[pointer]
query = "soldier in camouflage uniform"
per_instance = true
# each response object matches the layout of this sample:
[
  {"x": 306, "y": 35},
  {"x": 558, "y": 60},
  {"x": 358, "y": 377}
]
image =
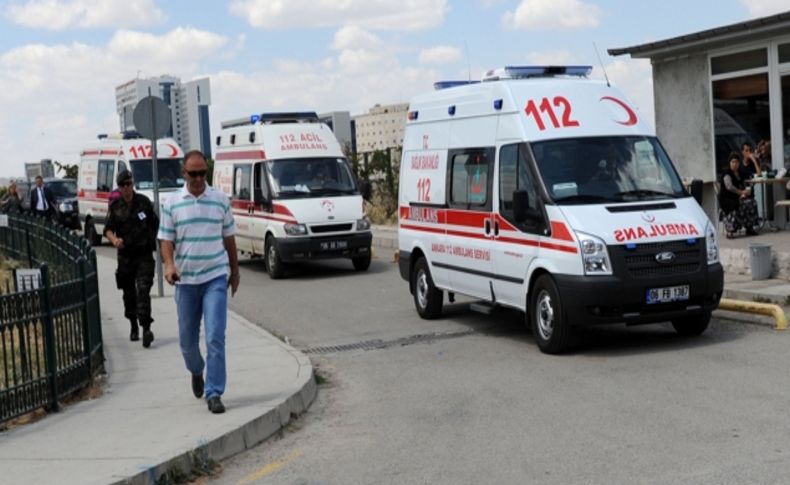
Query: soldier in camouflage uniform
[{"x": 131, "y": 227}]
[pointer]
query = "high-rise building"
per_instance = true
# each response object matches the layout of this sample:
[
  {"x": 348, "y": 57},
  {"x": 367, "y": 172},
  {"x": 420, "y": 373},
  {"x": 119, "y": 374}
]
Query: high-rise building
[
  {"x": 381, "y": 127},
  {"x": 188, "y": 104}
]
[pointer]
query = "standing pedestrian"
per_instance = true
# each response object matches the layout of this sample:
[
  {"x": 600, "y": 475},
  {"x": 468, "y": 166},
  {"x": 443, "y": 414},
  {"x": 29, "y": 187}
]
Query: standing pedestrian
[
  {"x": 199, "y": 254},
  {"x": 42, "y": 202},
  {"x": 131, "y": 227},
  {"x": 12, "y": 203}
]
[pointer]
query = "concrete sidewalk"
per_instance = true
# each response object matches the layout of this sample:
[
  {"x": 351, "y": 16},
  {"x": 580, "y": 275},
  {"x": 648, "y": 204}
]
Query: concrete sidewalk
[{"x": 148, "y": 421}]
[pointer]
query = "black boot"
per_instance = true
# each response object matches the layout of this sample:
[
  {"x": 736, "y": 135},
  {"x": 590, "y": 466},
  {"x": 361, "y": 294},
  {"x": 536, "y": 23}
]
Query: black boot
[
  {"x": 148, "y": 336},
  {"x": 134, "y": 334}
]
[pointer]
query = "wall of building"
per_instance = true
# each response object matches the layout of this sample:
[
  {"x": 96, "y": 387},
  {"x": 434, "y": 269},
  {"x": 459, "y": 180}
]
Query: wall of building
[
  {"x": 681, "y": 90},
  {"x": 381, "y": 128}
]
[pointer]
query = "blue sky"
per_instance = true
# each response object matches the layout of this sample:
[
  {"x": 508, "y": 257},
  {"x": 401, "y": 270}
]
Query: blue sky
[{"x": 60, "y": 60}]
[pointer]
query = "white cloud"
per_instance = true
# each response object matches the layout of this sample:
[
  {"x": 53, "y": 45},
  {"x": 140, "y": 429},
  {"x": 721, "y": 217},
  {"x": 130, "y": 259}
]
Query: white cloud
[
  {"x": 57, "y": 98},
  {"x": 441, "y": 54},
  {"x": 551, "y": 58},
  {"x": 81, "y": 14},
  {"x": 764, "y": 8},
  {"x": 400, "y": 15},
  {"x": 353, "y": 36},
  {"x": 553, "y": 14}
]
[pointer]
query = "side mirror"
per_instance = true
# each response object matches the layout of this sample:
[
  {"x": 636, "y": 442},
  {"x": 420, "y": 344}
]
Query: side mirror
[
  {"x": 696, "y": 190},
  {"x": 258, "y": 197},
  {"x": 520, "y": 205},
  {"x": 365, "y": 189}
]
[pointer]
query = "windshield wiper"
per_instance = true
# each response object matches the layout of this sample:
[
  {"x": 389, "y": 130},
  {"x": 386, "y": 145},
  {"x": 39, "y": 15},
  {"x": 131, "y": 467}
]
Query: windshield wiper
[
  {"x": 582, "y": 198},
  {"x": 328, "y": 191},
  {"x": 644, "y": 193},
  {"x": 288, "y": 193}
]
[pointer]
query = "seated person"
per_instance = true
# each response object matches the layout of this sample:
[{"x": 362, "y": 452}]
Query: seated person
[{"x": 739, "y": 208}]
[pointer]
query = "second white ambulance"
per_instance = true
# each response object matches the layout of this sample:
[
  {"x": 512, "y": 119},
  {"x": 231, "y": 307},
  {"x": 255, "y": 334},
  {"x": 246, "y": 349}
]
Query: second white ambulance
[
  {"x": 103, "y": 160},
  {"x": 542, "y": 190},
  {"x": 293, "y": 193}
]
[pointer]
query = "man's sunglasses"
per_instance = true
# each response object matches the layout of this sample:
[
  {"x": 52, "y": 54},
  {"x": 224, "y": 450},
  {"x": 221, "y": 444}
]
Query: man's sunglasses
[
  {"x": 126, "y": 184},
  {"x": 197, "y": 173}
]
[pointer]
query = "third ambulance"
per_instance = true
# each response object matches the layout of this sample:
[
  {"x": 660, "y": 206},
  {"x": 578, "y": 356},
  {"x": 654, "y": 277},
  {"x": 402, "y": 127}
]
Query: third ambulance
[
  {"x": 103, "y": 160},
  {"x": 293, "y": 193},
  {"x": 539, "y": 189}
]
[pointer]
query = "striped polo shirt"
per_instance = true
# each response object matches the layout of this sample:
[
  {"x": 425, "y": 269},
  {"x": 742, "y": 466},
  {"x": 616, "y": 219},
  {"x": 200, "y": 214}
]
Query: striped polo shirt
[{"x": 197, "y": 225}]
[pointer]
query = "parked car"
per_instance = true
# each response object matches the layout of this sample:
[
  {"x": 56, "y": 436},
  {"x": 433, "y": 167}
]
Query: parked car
[{"x": 65, "y": 193}]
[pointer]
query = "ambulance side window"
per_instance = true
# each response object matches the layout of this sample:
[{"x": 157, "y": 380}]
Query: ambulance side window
[
  {"x": 242, "y": 177},
  {"x": 106, "y": 176},
  {"x": 470, "y": 171},
  {"x": 514, "y": 174}
]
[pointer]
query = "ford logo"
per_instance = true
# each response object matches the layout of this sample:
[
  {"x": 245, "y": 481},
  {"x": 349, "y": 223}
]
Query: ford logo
[{"x": 665, "y": 257}]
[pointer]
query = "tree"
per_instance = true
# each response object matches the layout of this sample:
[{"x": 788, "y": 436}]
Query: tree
[
  {"x": 210, "y": 173},
  {"x": 70, "y": 171}
]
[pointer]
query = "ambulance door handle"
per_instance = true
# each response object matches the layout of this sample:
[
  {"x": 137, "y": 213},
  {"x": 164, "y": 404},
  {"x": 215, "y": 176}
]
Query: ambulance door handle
[
  {"x": 496, "y": 228},
  {"x": 488, "y": 226}
]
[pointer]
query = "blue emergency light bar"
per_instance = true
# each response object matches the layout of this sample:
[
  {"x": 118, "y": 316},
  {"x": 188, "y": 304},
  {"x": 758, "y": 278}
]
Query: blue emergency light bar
[
  {"x": 272, "y": 118},
  {"x": 525, "y": 72},
  {"x": 438, "y": 85}
]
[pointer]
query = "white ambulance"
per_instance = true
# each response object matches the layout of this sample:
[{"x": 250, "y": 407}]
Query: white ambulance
[
  {"x": 293, "y": 192},
  {"x": 539, "y": 189},
  {"x": 102, "y": 161}
]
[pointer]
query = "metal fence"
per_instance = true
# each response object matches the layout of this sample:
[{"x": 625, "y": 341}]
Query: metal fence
[{"x": 50, "y": 329}]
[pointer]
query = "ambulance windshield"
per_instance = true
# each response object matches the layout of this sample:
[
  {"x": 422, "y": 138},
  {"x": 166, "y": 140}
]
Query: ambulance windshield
[
  {"x": 311, "y": 177},
  {"x": 606, "y": 169},
  {"x": 170, "y": 175}
]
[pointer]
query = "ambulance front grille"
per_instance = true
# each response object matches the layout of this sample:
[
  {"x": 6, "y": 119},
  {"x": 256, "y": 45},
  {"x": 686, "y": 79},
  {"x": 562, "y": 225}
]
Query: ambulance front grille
[
  {"x": 330, "y": 228},
  {"x": 640, "y": 260}
]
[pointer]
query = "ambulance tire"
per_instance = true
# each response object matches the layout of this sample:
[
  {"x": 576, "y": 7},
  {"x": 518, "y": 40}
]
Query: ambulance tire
[
  {"x": 361, "y": 263},
  {"x": 691, "y": 326},
  {"x": 274, "y": 264},
  {"x": 91, "y": 235},
  {"x": 550, "y": 326},
  {"x": 427, "y": 298}
]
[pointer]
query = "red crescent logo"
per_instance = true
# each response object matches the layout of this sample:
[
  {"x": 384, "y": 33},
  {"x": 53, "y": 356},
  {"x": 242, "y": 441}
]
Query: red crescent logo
[
  {"x": 631, "y": 121},
  {"x": 175, "y": 150}
]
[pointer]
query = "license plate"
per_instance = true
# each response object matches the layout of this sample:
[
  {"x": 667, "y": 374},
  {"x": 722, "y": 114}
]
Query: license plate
[
  {"x": 668, "y": 294},
  {"x": 329, "y": 245}
]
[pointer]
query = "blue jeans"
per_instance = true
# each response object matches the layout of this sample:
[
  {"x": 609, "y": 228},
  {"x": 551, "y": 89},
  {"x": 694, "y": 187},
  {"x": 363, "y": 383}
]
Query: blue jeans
[{"x": 209, "y": 300}]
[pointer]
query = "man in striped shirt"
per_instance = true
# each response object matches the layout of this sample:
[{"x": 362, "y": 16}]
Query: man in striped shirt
[{"x": 196, "y": 234}]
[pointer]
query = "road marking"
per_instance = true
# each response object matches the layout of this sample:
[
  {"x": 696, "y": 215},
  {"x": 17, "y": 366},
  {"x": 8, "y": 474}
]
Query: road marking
[{"x": 271, "y": 467}]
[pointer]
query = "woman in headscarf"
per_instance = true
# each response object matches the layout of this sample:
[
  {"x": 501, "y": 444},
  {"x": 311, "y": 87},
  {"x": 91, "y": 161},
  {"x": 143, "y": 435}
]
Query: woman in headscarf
[{"x": 740, "y": 209}]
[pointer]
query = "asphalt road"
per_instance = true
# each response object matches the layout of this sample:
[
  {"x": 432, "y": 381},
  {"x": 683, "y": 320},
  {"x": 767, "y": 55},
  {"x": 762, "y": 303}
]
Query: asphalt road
[
  {"x": 469, "y": 398},
  {"x": 478, "y": 403}
]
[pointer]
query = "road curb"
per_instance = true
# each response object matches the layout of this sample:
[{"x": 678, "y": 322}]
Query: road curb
[{"x": 246, "y": 436}]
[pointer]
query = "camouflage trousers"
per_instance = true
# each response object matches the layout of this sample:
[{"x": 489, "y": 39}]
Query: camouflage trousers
[{"x": 135, "y": 276}]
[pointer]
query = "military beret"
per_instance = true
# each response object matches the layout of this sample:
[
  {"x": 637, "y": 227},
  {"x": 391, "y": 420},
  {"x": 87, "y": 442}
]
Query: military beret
[{"x": 123, "y": 177}]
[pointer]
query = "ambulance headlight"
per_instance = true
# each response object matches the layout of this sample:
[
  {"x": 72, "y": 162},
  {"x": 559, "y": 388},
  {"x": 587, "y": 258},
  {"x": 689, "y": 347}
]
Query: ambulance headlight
[
  {"x": 594, "y": 255},
  {"x": 363, "y": 224},
  {"x": 65, "y": 207},
  {"x": 295, "y": 229},
  {"x": 711, "y": 244}
]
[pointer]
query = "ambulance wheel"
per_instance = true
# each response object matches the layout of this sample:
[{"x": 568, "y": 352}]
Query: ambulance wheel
[
  {"x": 550, "y": 326},
  {"x": 361, "y": 263},
  {"x": 691, "y": 326},
  {"x": 91, "y": 235},
  {"x": 274, "y": 264},
  {"x": 427, "y": 298}
]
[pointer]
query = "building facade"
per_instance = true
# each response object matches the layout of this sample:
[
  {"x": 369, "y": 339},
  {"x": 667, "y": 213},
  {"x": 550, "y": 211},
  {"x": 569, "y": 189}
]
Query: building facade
[
  {"x": 717, "y": 89},
  {"x": 188, "y": 104},
  {"x": 340, "y": 124},
  {"x": 380, "y": 128}
]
